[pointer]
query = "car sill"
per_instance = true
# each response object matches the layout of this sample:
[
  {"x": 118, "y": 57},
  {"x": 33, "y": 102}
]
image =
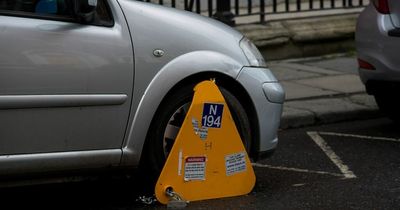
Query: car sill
[{"x": 58, "y": 161}]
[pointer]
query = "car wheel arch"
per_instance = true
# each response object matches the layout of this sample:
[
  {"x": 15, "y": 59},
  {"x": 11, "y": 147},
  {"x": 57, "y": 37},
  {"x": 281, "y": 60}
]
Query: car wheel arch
[{"x": 175, "y": 73}]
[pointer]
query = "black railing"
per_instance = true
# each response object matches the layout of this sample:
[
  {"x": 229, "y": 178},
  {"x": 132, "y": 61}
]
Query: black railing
[{"x": 227, "y": 10}]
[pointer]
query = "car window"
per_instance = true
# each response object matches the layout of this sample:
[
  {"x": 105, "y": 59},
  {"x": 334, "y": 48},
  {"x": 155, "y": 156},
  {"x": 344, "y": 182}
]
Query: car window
[
  {"x": 53, "y": 9},
  {"x": 39, "y": 7}
]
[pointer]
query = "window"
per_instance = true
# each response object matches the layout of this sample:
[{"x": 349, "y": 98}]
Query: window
[
  {"x": 38, "y": 7},
  {"x": 54, "y": 9}
]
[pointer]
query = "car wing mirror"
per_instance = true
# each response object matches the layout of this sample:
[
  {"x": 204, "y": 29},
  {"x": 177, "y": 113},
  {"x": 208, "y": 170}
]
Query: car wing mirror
[{"x": 85, "y": 10}]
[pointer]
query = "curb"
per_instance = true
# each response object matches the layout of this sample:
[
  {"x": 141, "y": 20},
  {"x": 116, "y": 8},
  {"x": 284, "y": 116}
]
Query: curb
[
  {"x": 310, "y": 112},
  {"x": 303, "y": 37}
]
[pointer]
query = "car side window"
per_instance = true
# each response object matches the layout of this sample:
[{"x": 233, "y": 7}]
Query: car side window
[
  {"x": 56, "y": 8},
  {"x": 53, "y": 9}
]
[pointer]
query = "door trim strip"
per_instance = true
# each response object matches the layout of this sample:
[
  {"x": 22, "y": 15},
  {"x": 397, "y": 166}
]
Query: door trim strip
[{"x": 50, "y": 101}]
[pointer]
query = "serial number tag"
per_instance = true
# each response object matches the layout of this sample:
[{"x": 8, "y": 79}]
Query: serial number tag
[{"x": 212, "y": 115}]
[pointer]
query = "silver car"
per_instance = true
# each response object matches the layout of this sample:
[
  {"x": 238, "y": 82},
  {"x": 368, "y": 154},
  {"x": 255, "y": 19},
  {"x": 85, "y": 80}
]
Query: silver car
[
  {"x": 106, "y": 84},
  {"x": 378, "y": 42}
]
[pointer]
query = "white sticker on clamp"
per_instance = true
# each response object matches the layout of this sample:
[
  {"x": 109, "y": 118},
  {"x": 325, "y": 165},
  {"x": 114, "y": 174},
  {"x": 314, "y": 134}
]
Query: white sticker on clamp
[{"x": 235, "y": 163}]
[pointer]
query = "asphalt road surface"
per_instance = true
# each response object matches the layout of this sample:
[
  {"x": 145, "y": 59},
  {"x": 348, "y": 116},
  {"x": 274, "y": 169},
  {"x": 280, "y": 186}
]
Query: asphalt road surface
[{"x": 350, "y": 165}]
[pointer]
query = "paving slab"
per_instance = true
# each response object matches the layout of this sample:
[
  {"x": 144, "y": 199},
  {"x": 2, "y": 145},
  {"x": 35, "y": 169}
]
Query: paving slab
[
  {"x": 300, "y": 91},
  {"x": 347, "y": 83},
  {"x": 320, "y": 91},
  {"x": 346, "y": 64},
  {"x": 309, "y": 68},
  {"x": 364, "y": 99},
  {"x": 329, "y": 110},
  {"x": 292, "y": 118},
  {"x": 283, "y": 73}
]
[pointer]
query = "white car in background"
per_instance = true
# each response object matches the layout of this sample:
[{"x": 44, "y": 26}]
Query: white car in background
[{"x": 378, "y": 50}]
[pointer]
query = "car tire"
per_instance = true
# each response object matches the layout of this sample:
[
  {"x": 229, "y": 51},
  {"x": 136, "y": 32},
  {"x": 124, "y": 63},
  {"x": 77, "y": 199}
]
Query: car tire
[
  {"x": 172, "y": 113},
  {"x": 388, "y": 106}
]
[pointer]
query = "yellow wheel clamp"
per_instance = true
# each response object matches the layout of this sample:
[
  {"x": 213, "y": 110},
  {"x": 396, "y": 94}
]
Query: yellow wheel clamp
[{"x": 208, "y": 159}]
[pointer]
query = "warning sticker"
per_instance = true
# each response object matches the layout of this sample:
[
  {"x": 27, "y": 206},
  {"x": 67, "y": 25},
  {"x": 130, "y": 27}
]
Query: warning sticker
[
  {"x": 195, "y": 168},
  {"x": 235, "y": 163}
]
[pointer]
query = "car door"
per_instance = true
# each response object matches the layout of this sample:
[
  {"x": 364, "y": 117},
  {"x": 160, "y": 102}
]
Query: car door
[{"x": 64, "y": 86}]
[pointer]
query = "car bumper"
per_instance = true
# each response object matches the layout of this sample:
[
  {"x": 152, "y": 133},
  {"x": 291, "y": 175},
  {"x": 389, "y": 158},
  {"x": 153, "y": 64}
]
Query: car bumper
[{"x": 267, "y": 96}]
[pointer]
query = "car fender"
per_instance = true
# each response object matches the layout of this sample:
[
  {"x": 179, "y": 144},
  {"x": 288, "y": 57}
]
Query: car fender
[{"x": 171, "y": 74}]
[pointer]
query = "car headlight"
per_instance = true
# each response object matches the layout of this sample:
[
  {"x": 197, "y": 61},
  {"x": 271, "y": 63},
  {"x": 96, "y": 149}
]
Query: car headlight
[{"x": 252, "y": 53}]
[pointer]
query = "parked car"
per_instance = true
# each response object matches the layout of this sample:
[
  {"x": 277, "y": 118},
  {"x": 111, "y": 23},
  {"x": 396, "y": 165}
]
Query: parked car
[
  {"x": 106, "y": 84},
  {"x": 378, "y": 42}
]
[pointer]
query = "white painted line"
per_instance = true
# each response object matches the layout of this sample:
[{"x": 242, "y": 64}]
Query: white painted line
[
  {"x": 332, "y": 155},
  {"x": 360, "y": 136},
  {"x": 295, "y": 169}
]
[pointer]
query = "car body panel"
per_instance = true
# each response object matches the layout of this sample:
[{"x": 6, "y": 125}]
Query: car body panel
[
  {"x": 394, "y": 7},
  {"x": 375, "y": 46},
  {"x": 63, "y": 86},
  {"x": 28, "y": 164},
  {"x": 268, "y": 113}
]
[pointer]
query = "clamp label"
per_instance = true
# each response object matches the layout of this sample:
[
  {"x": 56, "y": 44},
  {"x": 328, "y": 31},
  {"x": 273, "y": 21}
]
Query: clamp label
[{"x": 212, "y": 115}]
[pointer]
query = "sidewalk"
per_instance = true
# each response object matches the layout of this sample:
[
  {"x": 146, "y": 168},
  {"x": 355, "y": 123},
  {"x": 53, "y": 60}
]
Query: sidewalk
[{"x": 322, "y": 90}]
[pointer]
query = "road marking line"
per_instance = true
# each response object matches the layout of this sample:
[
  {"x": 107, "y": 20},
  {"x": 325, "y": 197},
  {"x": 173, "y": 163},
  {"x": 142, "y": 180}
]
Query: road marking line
[
  {"x": 332, "y": 155},
  {"x": 360, "y": 136},
  {"x": 295, "y": 169}
]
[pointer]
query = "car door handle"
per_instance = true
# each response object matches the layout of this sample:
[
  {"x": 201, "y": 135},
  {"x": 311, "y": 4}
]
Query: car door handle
[{"x": 394, "y": 32}]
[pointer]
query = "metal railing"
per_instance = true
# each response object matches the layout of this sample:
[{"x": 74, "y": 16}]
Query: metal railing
[{"x": 227, "y": 10}]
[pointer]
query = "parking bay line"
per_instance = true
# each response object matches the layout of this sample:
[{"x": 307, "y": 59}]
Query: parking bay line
[
  {"x": 295, "y": 169},
  {"x": 359, "y": 136},
  {"x": 332, "y": 155}
]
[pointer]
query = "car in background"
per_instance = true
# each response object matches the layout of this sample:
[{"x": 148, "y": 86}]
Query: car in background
[
  {"x": 87, "y": 85},
  {"x": 378, "y": 48}
]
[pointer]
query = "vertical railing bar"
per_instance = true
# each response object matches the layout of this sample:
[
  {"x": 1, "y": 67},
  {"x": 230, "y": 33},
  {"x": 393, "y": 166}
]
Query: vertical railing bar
[
  {"x": 298, "y": 5},
  {"x": 173, "y": 3},
  {"x": 236, "y": 7},
  {"x": 333, "y": 4},
  {"x": 185, "y": 4},
  {"x": 198, "y": 9},
  {"x": 249, "y": 6},
  {"x": 321, "y": 4},
  {"x": 311, "y": 4},
  {"x": 262, "y": 11},
  {"x": 210, "y": 8},
  {"x": 274, "y": 5},
  {"x": 287, "y": 5},
  {"x": 191, "y": 4}
]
